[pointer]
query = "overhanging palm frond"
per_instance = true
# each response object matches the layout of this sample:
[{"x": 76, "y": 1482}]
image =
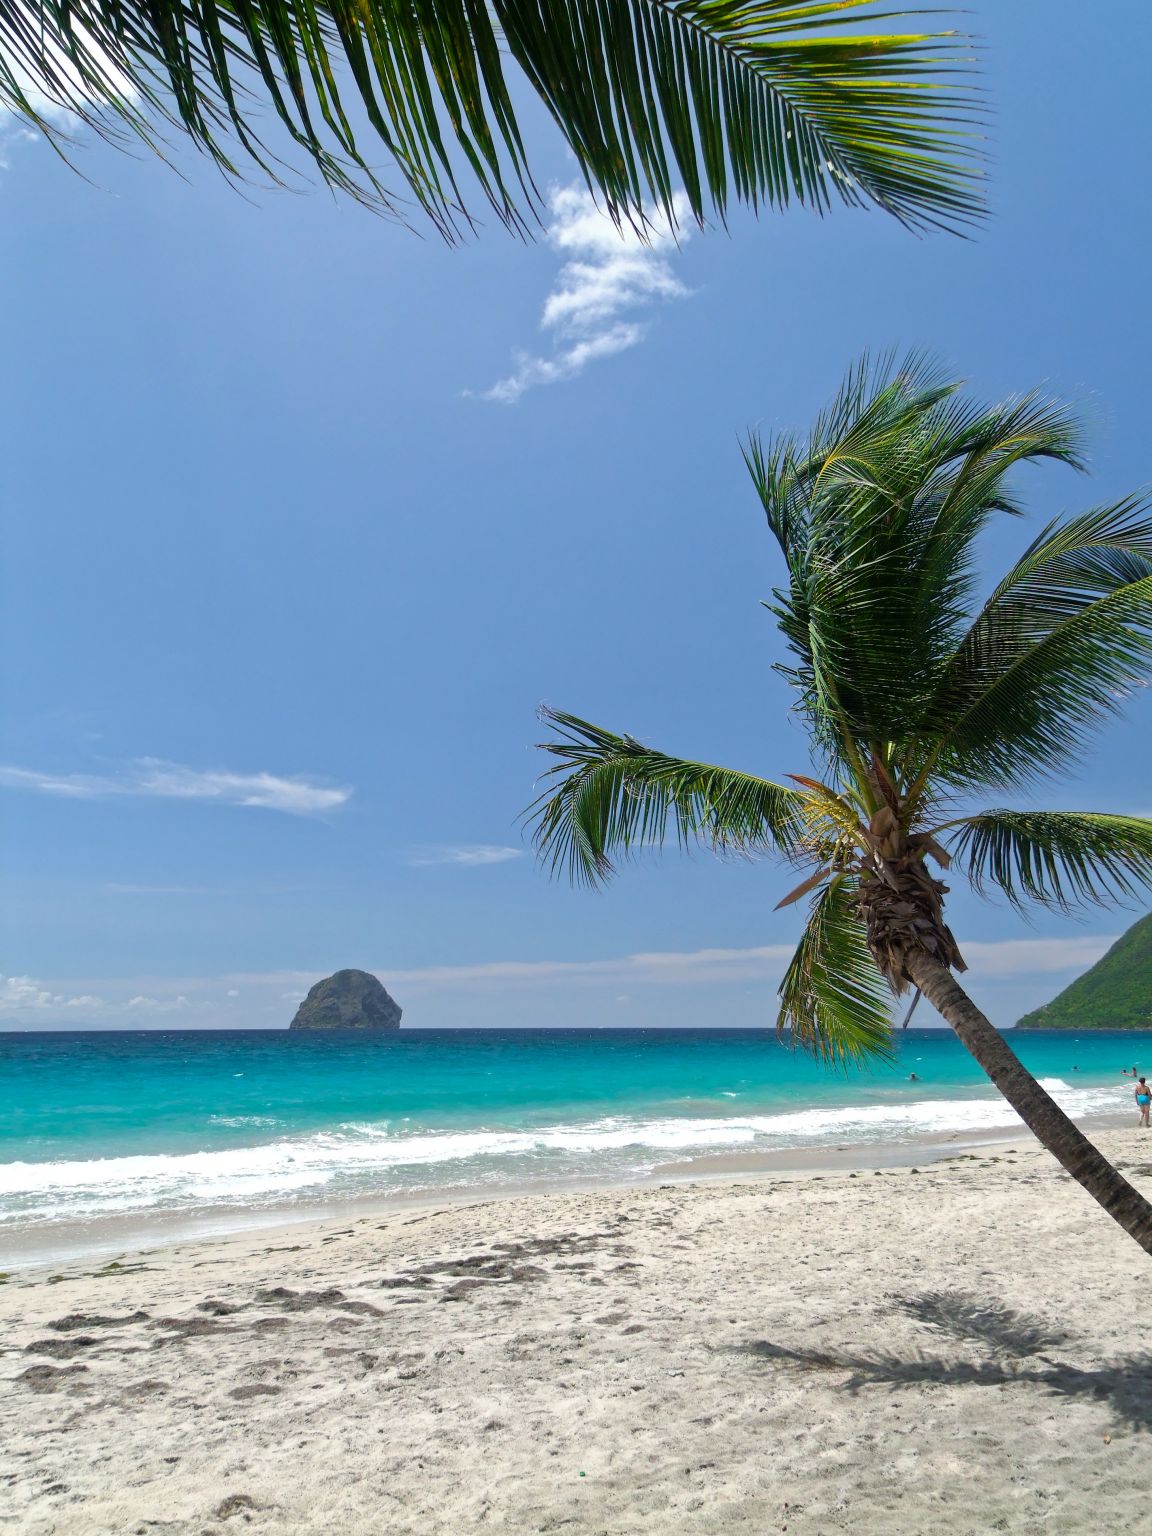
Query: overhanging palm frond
[
  {"x": 616, "y": 797},
  {"x": 762, "y": 101},
  {"x": 1065, "y": 860},
  {"x": 1055, "y": 650},
  {"x": 833, "y": 998}
]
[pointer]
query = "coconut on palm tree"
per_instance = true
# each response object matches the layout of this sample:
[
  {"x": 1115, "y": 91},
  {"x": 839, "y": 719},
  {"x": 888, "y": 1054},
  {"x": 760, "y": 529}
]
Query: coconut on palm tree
[
  {"x": 758, "y": 101},
  {"x": 920, "y": 698}
]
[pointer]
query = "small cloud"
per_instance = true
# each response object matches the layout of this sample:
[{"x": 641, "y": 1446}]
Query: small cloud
[
  {"x": 609, "y": 273},
  {"x": 296, "y": 796},
  {"x": 466, "y": 855},
  {"x": 232, "y": 992},
  {"x": 24, "y": 994},
  {"x": 159, "y": 1004},
  {"x": 152, "y": 778},
  {"x": 762, "y": 963}
]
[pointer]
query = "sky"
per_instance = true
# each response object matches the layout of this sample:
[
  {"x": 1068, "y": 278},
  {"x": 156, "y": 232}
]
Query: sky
[{"x": 305, "y": 515}]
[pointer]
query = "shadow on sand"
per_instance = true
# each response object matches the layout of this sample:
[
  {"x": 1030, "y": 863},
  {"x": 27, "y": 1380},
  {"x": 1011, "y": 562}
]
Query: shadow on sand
[{"x": 1020, "y": 1350}]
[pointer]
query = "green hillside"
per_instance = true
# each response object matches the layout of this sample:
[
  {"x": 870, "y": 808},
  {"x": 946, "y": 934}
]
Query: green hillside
[{"x": 1115, "y": 994}]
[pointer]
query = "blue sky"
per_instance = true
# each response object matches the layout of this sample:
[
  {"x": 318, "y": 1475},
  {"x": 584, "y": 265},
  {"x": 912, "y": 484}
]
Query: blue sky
[{"x": 305, "y": 515}]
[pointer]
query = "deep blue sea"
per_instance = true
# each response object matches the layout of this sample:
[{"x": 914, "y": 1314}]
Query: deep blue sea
[{"x": 105, "y": 1124}]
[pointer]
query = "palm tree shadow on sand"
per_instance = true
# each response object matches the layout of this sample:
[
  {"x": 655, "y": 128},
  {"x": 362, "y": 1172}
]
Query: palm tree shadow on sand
[{"x": 1010, "y": 1341}]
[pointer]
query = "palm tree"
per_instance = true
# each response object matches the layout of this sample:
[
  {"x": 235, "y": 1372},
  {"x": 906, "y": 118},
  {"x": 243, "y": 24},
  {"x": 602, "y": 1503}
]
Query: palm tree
[
  {"x": 763, "y": 101},
  {"x": 917, "y": 697}
]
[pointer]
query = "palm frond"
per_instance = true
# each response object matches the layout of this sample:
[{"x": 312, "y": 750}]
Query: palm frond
[
  {"x": 1066, "y": 860},
  {"x": 877, "y": 514},
  {"x": 766, "y": 102},
  {"x": 1054, "y": 651},
  {"x": 833, "y": 998},
  {"x": 616, "y": 797}
]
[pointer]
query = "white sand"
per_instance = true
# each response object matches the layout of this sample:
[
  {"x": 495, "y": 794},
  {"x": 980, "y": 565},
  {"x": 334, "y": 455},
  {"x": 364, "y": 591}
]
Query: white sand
[{"x": 955, "y": 1350}]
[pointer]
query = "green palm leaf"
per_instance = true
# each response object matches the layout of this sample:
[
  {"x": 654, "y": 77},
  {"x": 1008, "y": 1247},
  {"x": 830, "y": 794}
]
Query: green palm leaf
[
  {"x": 761, "y": 101},
  {"x": 833, "y": 998},
  {"x": 1053, "y": 652},
  {"x": 1065, "y": 860},
  {"x": 877, "y": 514},
  {"x": 616, "y": 797}
]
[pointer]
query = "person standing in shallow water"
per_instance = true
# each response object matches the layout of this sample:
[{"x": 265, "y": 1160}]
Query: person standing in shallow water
[{"x": 1143, "y": 1100}]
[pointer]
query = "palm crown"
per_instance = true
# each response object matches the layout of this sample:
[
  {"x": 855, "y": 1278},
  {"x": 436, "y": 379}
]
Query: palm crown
[
  {"x": 918, "y": 696},
  {"x": 763, "y": 101}
]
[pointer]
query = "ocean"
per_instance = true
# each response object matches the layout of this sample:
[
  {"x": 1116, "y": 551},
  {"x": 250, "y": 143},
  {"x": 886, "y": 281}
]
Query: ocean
[{"x": 97, "y": 1125}]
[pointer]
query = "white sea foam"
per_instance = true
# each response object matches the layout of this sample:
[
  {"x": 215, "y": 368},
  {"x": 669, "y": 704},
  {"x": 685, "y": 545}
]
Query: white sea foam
[
  {"x": 358, "y": 1157},
  {"x": 264, "y": 1120}
]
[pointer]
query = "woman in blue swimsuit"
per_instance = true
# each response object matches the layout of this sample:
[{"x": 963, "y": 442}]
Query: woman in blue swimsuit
[{"x": 1143, "y": 1100}]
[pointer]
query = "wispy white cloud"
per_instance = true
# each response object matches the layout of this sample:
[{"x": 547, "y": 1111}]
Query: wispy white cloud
[
  {"x": 609, "y": 274},
  {"x": 1003, "y": 958},
  {"x": 150, "y": 777},
  {"x": 657, "y": 967},
  {"x": 466, "y": 855},
  {"x": 1035, "y": 957}
]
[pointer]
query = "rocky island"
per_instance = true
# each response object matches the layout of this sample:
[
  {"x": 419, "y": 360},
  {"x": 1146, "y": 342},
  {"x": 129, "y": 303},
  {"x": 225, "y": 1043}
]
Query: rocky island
[{"x": 348, "y": 1000}]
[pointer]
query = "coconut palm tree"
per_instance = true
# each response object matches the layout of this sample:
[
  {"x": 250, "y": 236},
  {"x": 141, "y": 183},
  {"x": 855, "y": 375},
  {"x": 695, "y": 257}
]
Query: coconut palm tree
[
  {"x": 918, "y": 697},
  {"x": 762, "y": 101}
]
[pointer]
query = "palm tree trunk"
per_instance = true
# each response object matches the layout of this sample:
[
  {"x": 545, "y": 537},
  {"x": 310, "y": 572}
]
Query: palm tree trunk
[{"x": 1039, "y": 1112}]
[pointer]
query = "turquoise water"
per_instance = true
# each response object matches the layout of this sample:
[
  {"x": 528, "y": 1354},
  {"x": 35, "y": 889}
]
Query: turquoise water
[{"x": 102, "y": 1124}]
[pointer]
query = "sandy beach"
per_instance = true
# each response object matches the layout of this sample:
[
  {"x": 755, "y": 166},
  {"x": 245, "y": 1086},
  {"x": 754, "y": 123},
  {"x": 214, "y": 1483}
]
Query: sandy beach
[{"x": 952, "y": 1349}]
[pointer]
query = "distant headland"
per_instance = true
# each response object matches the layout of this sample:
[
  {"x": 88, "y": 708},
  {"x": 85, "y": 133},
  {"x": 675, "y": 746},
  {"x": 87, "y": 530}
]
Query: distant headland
[
  {"x": 348, "y": 1000},
  {"x": 1115, "y": 994}
]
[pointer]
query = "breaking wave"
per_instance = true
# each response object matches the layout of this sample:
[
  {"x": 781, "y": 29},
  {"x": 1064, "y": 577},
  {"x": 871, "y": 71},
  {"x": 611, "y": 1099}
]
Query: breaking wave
[{"x": 360, "y": 1158}]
